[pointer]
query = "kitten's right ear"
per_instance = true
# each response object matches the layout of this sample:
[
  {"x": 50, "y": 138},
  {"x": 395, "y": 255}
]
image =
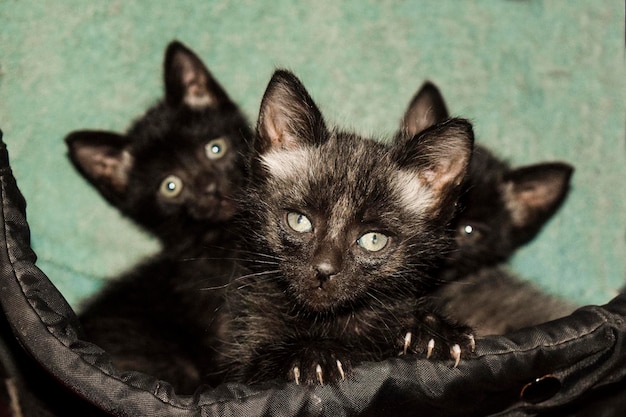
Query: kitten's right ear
[
  {"x": 188, "y": 81},
  {"x": 433, "y": 165},
  {"x": 533, "y": 193},
  {"x": 103, "y": 159},
  {"x": 426, "y": 109},
  {"x": 288, "y": 115}
]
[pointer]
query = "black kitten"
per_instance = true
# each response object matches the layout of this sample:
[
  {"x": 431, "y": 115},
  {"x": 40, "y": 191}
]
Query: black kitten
[
  {"x": 161, "y": 318},
  {"x": 501, "y": 209},
  {"x": 177, "y": 169},
  {"x": 178, "y": 173},
  {"x": 343, "y": 234}
]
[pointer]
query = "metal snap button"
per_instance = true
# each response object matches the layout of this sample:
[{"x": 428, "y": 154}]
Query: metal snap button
[{"x": 541, "y": 389}]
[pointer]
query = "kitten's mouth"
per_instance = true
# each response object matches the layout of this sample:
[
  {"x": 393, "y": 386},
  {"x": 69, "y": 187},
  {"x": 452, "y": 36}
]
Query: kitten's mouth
[{"x": 321, "y": 297}]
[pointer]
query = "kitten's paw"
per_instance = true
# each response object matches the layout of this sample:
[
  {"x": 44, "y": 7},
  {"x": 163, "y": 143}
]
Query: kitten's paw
[
  {"x": 455, "y": 342},
  {"x": 319, "y": 369}
]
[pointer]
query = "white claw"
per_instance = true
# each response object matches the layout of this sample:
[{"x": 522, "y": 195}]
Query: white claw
[
  {"x": 431, "y": 347},
  {"x": 407, "y": 342},
  {"x": 340, "y": 368},
  {"x": 296, "y": 374},
  {"x": 472, "y": 342},
  {"x": 318, "y": 372},
  {"x": 455, "y": 351}
]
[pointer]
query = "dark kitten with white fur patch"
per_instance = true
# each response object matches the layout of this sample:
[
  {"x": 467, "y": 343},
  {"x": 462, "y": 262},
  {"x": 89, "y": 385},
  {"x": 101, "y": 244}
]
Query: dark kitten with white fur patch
[
  {"x": 501, "y": 209},
  {"x": 176, "y": 170},
  {"x": 343, "y": 235}
]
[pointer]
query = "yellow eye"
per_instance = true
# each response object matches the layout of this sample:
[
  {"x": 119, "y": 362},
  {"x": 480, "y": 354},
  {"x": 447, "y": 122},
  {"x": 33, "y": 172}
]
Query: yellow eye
[
  {"x": 171, "y": 186},
  {"x": 373, "y": 241},
  {"x": 299, "y": 222},
  {"x": 216, "y": 148}
]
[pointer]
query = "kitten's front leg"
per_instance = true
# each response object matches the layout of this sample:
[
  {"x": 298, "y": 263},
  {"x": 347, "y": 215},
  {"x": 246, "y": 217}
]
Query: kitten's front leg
[{"x": 433, "y": 336}]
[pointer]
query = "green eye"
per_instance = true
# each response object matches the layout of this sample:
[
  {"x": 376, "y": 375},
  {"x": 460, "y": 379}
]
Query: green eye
[
  {"x": 216, "y": 148},
  {"x": 373, "y": 241},
  {"x": 299, "y": 222},
  {"x": 171, "y": 186}
]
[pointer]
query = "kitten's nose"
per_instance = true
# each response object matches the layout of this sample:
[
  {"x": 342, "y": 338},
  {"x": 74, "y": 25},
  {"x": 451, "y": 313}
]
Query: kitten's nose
[
  {"x": 325, "y": 270},
  {"x": 327, "y": 263}
]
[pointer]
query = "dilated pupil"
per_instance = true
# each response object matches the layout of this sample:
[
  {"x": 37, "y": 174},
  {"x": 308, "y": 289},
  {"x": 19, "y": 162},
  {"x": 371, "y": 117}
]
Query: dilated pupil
[
  {"x": 468, "y": 229},
  {"x": 171, "y": 186},
  {"x": 216, "y": 149}
]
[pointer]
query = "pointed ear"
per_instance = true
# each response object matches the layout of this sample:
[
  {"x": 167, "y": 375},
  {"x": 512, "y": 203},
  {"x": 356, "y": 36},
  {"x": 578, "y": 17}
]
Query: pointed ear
[
  {"x": 433, "y": 165},
  {"x": 188, "y": 81},
  {"x": 533, "y": 193},
  {"x": 103, "y": 159},
  {"x": 426, "y": 109},
  {"x": 288, "y": 116}
]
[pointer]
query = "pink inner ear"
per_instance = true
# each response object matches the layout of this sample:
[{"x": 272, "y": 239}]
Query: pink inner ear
[
  {"x": 197, "y": 95},
  {"x": 525, "y": 201},
  {"x": 276, "y": 128},
  {"x": 419, "y": 118},
  {"x": 529, "y": 199},
  {"x": 195, "y": 82},
  {"x": 447, "y": 173},
  {"x": 108, "y": 169},
  {"x": 533, "y": 196},
  {"x": 271, "y": 128}
]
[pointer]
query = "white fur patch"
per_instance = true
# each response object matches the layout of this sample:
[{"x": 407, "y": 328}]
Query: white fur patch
[
  {"x": 286, "y": 163},
  {"x": 413, "y": 193}
]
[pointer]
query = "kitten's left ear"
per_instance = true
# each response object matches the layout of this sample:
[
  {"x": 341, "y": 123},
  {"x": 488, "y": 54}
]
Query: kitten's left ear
[
  {"x": 425, "y": 109},
  {"x": 434, "y": 163},
  {"x": 104, "y": 159},
  {"x": 288, "y": 116},
  {"x": 533, "y": 193},
  {"x": 188, "y": 81}
]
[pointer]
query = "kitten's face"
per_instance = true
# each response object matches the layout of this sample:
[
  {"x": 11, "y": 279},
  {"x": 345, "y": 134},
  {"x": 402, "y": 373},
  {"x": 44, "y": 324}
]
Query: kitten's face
[
  {"x": 501, "y": 208},
  {"x": 180, "y": 166},
  {"x": 193, "y": 170},
  {"x": 349, "y": 219},
  {"x": 340, "y": 228}
]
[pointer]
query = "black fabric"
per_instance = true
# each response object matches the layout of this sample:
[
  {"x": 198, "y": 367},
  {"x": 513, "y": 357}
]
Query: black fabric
[{"x": 572, "y": 366}]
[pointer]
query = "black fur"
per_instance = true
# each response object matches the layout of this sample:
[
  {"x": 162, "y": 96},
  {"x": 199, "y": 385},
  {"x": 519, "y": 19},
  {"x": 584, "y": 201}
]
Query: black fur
[
  {"x": 170, "y": 139},
  {"x": 310, "y": 296},
  {"x": 501, "y": 209},
  {"x": 160, "y": 317}
]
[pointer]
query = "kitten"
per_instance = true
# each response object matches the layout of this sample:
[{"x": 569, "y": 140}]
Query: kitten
[
  {"x": 177, "y": 172},
  {"x": 177, "y": 169},
  {"x": 501, "y": 209},
  {"x": 342, "y": 235},
  {"x": 161, "y": 318}
]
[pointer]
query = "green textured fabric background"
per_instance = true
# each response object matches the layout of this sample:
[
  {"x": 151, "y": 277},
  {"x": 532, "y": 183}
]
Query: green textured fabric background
[{"x": 542, "y": 80}]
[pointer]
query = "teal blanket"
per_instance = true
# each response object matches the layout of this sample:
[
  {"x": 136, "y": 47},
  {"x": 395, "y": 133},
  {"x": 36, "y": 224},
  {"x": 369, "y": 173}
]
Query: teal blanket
[{"x": 541, "y": 81}]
